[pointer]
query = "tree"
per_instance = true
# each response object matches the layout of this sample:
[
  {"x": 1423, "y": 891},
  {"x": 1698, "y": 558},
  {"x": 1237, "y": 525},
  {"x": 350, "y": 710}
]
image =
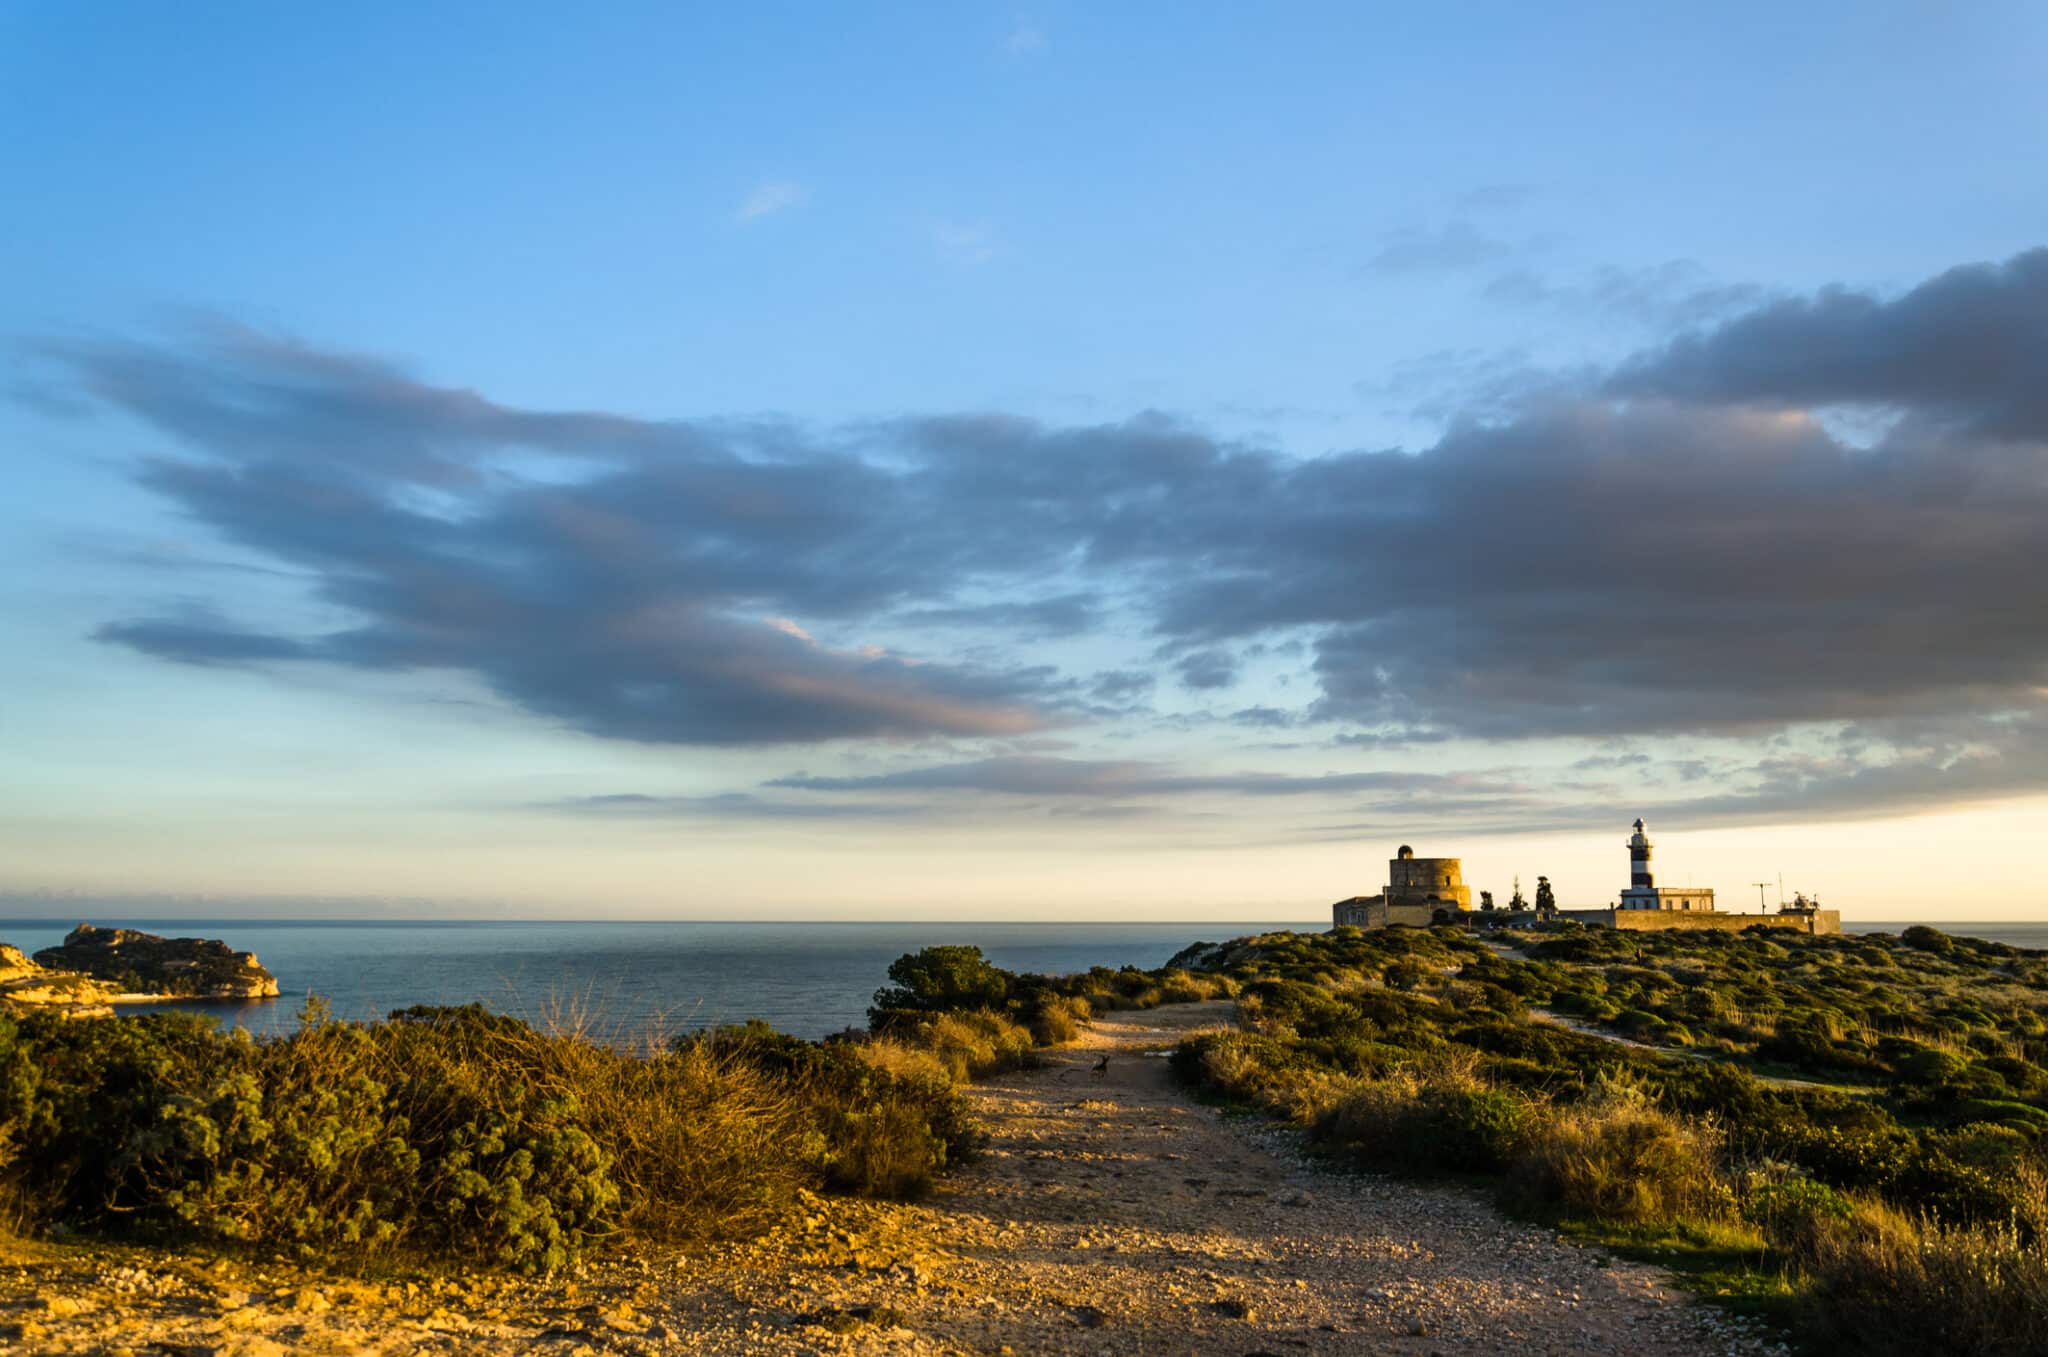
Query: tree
[
  {"x": 940, "y": 980},
  {"x": 1517, "y": 902},
  {"x": 1486, "y": 899},
  {"x": 1546, "y": 901}
]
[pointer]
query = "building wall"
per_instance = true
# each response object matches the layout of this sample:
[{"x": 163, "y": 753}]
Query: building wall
[
  {"x": 1826, "y": 921},
  {"x": 1413, "y": 880},
  {"x": 1667, "y": 897},
  {"x": 1373, "y": 911},
  {"x": 1360, "y": 911}
]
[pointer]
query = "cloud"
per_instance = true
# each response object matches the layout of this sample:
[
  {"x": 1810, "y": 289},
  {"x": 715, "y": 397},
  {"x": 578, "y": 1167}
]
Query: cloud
[
  {"x": 769, "y": 198},
  {"x": 1067, "y": 614},
  {"x": 1265, "y": 718},
  {"x": 1680, "y": 547},
  {"x": 202, "y": 642},
  {"x": 1120, "y": 687},
  {"x": 721, "y": 806},
  {"x": 1967, "y": 350},
  {"x": 1210, "y": 668},
  {"x": 1022, "y": 775},
  {"x": 629, "y": 598},
  {"x": 1675, "y": 293},
  {"x": 1452, "y": 247}
]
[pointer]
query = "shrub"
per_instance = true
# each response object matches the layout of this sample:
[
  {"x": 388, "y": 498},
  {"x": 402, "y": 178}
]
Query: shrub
[
  {"x": 1376, "y": 1124},
  {"x": 1618, "y": 1158},
  {"x": 1405, "y": 975},
  {"x": 1793, "y": 1211},
  {"x": 1442, "y": 1123},
  {"x": 939, "y": 980},
  {"x": 972, "y": 1045},
  {"x": 881, "y": 1118},
  {"x": 1921, "y": 938},
  {"x": 1059, "y": 1020},
  {"x": 1884, "y": 1285},
  {"x": 453, "y": 1132}
]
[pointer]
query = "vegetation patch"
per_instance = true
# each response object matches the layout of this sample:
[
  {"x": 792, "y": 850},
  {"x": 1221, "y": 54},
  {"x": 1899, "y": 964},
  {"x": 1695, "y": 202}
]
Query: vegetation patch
[{"x": 1895, "y": 1183}]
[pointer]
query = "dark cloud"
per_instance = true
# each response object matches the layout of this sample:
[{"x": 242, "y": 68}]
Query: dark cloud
[
  {"x": 203, "y": 642},
  {"x": 1037, "y": 776},
  {"x": 1387, "y": 739},
  {"x": 638, "y": 598},
  {"x": 1060, "y": 615},
  {"x": 722, "y": 806},
  {"x": 1968, "y": 348},
  {"x": 1888, "y": 769},
  {"x": 1611, "y": 762},
  {"x": 1208, "y": 668},
  {"x": 1681, "y": 547},
  {"x": 1121, "y": 687}
]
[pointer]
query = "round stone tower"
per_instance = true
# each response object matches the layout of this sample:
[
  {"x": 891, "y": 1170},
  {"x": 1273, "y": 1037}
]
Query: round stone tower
[
  {"x": 1435, "y": 882},
  {"x": 1639, "y": 877}
]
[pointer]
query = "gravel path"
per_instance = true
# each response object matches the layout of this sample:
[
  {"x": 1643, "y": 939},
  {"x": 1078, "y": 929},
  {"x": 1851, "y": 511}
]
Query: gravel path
[{"x": 1110, "y": 1215}]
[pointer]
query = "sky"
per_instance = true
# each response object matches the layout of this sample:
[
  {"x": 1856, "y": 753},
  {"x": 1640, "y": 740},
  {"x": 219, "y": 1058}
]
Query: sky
[{"x": 1052, "y": 462}]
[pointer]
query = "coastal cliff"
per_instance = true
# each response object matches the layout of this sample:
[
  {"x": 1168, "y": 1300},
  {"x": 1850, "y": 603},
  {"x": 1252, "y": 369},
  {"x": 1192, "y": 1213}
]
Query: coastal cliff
[
  {"x": 24, "y": 984},
  {"x": 98, "y": 966}
]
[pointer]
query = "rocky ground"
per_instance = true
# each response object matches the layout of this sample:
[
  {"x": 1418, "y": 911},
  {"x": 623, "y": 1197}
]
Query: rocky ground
[{"x": 1110, "y": 1215}]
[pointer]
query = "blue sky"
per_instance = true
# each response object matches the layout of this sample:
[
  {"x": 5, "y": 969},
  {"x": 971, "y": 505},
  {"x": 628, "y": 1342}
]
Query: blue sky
[{"x": 1044, "y": 460}]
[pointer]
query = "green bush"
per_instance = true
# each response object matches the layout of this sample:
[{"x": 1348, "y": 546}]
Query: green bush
[
  {"x": 1474, "y": 1130},
  {"x": 447, "y": 1132},
  {"x": 1625, "y": 1163},
  {"x": 872, "y": 1130},
  {"x": 1794, "y": 1212},
  {"x": 945, "y": 979}
]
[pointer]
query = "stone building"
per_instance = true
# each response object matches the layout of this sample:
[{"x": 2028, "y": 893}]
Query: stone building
[{"x": 1419, "y": 892}]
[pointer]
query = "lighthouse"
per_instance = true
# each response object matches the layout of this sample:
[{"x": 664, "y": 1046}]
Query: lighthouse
[
  {"x": 1639, "y": 877},
  {"x": 1643, "y": 891}
]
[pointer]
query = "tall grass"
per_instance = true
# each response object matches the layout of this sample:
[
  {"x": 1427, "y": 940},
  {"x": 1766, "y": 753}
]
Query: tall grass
[
  {"x": 1886, "y": 1285},
  {"x": 1617, "y": 1157}
]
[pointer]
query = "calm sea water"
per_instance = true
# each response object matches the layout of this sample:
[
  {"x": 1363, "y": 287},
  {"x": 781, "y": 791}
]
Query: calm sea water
[
  {"x": 804, "y": 978},
  {"x": 2021, "y": 934}
]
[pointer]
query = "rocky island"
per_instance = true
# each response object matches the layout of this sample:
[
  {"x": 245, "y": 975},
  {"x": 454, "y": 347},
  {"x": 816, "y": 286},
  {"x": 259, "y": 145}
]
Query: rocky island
[{"x": 95, "y": 968}]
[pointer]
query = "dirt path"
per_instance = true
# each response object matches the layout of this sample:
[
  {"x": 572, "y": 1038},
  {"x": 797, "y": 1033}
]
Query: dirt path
[{"x": 1110, "y": 1215}]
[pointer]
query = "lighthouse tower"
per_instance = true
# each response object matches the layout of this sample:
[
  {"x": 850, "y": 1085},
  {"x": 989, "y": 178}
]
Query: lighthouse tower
[
  {"x": 1643, "y": 891},
  {"x": 1639, "y": 877}
]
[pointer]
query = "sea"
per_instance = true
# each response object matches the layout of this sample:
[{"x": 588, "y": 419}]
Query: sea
[{"x": 626, "y": 982}]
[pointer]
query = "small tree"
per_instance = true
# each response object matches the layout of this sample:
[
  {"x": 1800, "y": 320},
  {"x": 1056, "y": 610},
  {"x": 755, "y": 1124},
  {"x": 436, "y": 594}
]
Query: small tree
[
  {"x": 1486, "y": 899},
  {"x": 1516, "y": 901},
  {"x": 1546, "y": 901},
  {"x": 940, "y": 980}
]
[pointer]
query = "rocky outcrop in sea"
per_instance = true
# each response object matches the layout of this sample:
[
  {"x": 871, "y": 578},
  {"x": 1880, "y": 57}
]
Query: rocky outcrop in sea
[{"x": 133, "y": 964}]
